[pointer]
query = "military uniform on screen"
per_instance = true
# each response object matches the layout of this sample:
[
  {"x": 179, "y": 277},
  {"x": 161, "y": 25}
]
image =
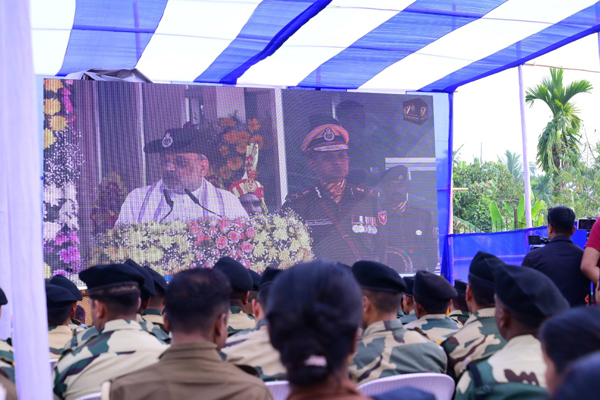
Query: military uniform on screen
[{"x": 342, "y": 217}]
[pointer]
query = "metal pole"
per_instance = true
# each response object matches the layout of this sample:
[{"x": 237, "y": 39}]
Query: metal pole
[{"x": 524, "y": 138}]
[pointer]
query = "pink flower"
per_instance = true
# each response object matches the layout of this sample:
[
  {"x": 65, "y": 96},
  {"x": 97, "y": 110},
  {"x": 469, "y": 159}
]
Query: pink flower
[
  {"x": 245, "y": 263},
  {"x": 73, "y": 238},
  {"x": 60, "y": 272},
  {"x": 195, "y": 230},
  {"x": 224, "y": 224},
  {"x": 233, "y": 236},
  {"x": 60, "y": 239},
  {"x": 247, "y": 247},
  {"x": 69, "y": 255},
  {"x": 221, "y": 242},
  {"x": 235, "y": 253},
  {"x": 212, "y": 231},
  {"x": 200, "y": 238},
  {"x": 250, "y": 233}
]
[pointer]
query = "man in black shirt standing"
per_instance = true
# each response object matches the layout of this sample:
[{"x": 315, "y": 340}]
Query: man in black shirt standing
[{"x": 560, "y": 259}]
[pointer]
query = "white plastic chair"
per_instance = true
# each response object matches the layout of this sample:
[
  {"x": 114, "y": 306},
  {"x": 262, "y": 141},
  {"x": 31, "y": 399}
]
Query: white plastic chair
[
  {"x": 93, "y": 396},
  {"x": 440, "y": 385},
  {"x": 279, "y": 389}
]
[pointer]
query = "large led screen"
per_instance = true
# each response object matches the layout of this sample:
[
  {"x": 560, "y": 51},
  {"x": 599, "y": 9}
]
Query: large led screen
[{"x": 177, "y": 176}]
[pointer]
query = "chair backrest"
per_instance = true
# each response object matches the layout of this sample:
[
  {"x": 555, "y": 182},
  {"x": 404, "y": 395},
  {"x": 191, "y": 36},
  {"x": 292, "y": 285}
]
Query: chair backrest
[
  {"x": 279, "y": 389},
  {"x": 93, "y": 396},
  {"x": 440, "y": 385}
]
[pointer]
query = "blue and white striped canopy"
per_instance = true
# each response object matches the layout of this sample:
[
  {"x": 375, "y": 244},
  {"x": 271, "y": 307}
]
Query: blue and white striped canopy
[{"x": 367, "y": 45}]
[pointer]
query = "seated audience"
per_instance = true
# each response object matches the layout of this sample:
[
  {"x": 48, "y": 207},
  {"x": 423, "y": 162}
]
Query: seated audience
[
  {"x": 59, "y": 306},
  {"x": 7, "y": 359},
  {"x": 524, "y": 299},
  {"x": 566, "y": 338},
  {"x": 241, "y": 283},
  {"x": 196, "y": 311},
  {"x": 479, "y": 338},
  {"x": 64, "y": 282},
  {"x": 386, "y": 348},
  {"x": 156, "y": 303},
  {"x": 120, "y": 344},
  {"x": 581, "y": 380},
  {"x": 459, "y": 311},
  {"x": 560, "y": 260},
  {"x": 408, "y": 306},
  {"x": 314, "y": 314},
  {"x": 432, "y": 294},
  {"x": 252, "y": 347}
]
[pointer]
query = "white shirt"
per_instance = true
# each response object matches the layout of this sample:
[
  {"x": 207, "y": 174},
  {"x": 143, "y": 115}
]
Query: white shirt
[{"x": 148, "y": 204}]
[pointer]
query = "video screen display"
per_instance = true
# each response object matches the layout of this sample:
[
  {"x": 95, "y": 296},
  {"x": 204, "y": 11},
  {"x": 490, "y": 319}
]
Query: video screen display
[{"x": 177, "y": 176}]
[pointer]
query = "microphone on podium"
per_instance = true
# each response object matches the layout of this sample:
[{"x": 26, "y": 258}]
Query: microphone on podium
[
  {"x": 195, "y": 200},
  {"x": 170, "y": 203}
]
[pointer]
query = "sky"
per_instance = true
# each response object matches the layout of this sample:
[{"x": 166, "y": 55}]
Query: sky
[{"x": 487, "y": 117}]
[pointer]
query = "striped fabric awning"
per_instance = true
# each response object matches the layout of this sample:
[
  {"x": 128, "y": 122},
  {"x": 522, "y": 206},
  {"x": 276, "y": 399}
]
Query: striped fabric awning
[{"x": 367, "y": 45}]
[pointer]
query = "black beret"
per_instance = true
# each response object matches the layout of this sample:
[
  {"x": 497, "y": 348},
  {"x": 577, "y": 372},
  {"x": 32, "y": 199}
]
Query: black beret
[
  {"x": 255, "y": 280},
  {"x": 269, "y": 276},
  {"x": 378, "y": 277},
  {"x": 147, "y": 288},
  {"x": 238, "y": 275},
  {"x": 431, "y": 286},
  {"x": 410, "y": 282},
  {"x": 461, "y": 287},
  {"x": 405, "y": 393},
  {"x": 182, "y": 140},
  {"x": 158, "y": 279},
  {"x": 64, "y": 282},
  {"x": 58, "y": 297},
  {"x": 3, "y": 299},
  {"x": 528, "y": 292},
  {"x": 482, "y": 268},
  {"x": 111, "y": 275}
]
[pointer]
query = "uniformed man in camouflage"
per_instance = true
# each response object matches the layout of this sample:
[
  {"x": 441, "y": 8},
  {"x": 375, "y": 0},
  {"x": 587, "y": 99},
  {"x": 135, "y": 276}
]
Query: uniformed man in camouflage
[
  {"x": 253, "y": 347},
  {"x": 59, "y": 280},
  {"x": 432, "y": 294},
  {"x": 459, "y": 311},
  {"x": 524, "y": 299},
  {"x": 343, "y": 217},
  {"x": 386, "y": 348},
  {"x": 7, "y": 359},
  {"x": 59, "y": 305},
  {"x": 241, "y": 283},
  {"x": 408, "y": 306},
  {"x": 196, "y": 310},
  {"x": 156, "y": 304},
  {"x": 479, "y": 338},
  {"x": 120, "y": 346}
]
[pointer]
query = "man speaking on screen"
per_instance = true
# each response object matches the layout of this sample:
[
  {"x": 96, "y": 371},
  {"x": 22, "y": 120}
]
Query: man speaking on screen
[
  {"x": 343, "y": 217},
  {"x": 183, "y": 193}
]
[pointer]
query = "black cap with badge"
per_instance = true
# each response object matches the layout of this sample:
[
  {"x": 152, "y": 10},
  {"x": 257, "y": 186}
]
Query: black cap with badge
[
  {"x": 326, "y": 134},
  {"x": 181, "y": 140}
]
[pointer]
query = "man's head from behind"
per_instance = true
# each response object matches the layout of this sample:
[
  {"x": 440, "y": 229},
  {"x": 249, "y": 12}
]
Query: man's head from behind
[
  {"x": 196, "y": 308},
  {"x": 59, "y": 303},
  {"x": 432, "y": 293},
  {"x": 239, "y": 279},
  {"x": 561, "y": 222},
  {"x": 480, "y": 291}
]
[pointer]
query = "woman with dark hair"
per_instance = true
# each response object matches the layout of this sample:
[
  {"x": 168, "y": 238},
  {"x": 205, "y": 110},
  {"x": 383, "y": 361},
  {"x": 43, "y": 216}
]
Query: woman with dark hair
[
  {"x": 581, "y": 379},
  {"x": 566, "y": 338},
  {"x": 314, "y": 312}
]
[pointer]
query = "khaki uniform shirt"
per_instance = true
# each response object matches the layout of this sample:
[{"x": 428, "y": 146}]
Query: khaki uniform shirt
[
  {"x": 58, "y": 336},
  {"x": 386, "y": 348},
  {"x": 155, "y": 317},
  {"x": 238, "y": 321},
  {"x": 518, "y": 368},
  {"x": 152, "y": 329},
  {"x": 459, "y": 316},
  {"x": 478, "y": 339},
  {"x": 187, "y": 371},
  {"x": 120, "y": 347},
  {"x": 253, "y": 347},
  {"x": 434, "y": 326}
]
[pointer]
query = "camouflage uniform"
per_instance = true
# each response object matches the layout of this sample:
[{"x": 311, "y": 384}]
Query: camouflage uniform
[
  {"x": 410, "y": 317},
  {"x": 253, "y": 347},
  {"x": 459, "y": 316},
  {"x": 7, "y": 360},
  {"x": 386, "y": 348},
  {"x": 434, "y": 326},
  {"x": 81, "y": 337},
  {"x": 515, "y": 372},
  {"x": 58, "y": 336},
  {"x": 478, "y": 339},
  {"x": 120, "y": 347},
  {"x": 152, "y": 329},
  {"x": 238, "y": 321},
  {"x": 155, "y": 317}
]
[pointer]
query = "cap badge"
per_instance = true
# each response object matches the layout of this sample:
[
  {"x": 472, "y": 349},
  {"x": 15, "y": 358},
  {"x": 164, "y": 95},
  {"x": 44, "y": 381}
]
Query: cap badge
[
  {"x": 328, "y": 135},
  {"x": 167, "y": 140}
]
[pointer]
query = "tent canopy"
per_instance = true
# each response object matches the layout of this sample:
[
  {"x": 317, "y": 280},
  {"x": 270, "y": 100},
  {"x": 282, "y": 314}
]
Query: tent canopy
[{"x": 368, "y": 45}]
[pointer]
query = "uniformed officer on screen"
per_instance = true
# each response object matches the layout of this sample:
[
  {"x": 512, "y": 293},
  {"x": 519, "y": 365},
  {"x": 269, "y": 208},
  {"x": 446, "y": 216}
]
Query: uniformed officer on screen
[
  {"x": 342, "y": 216},
  {"x": 183, "y": 193},
  {"x": 411, "y": 240}
]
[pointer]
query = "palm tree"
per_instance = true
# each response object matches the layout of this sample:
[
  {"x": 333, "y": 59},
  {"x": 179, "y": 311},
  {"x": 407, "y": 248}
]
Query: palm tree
[
  {"x": 542, "y": 187},
  {"x": 513, "y": 164},
  {"x": 558, "y": 144}
]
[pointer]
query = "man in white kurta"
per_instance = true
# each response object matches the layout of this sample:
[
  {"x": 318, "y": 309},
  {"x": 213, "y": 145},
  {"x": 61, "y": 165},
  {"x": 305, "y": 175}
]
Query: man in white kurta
[{"x": 184, "y": 166}]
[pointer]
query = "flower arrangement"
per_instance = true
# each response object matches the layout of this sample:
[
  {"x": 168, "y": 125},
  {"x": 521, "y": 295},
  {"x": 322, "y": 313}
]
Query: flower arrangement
[
  {"x": 257, "y": 242},
  {"x": 62, "y": 167}
]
